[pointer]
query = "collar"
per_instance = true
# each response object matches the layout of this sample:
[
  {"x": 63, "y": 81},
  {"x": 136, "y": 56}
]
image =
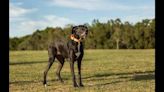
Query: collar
[{"x": 72, "y": 37}]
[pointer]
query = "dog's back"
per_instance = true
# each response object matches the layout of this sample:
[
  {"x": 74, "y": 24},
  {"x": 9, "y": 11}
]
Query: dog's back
[{"x": 59, "y": 47}]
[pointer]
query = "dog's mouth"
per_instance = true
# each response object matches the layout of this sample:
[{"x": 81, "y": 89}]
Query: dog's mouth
[{"x": 83, "y": 35}]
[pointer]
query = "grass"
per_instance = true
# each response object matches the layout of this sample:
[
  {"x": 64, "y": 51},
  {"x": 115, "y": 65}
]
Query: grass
[{"x": 102, "y": 71}]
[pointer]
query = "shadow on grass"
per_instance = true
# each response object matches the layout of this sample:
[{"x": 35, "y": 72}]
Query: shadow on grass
[
  {"x": 137, "y": 76},
  {"x": 103, "y": 84},
  {"x": 23, "y": 82},
  {"x": 149, "y": 75},
  {"x": 35, "y": 62},
  {"x": 115, "y": 74},
  {"x": 140, "y": 77},
  {"x": 39, "y": 81},
  {"x": 23, "y": 63},
  {"x": 88, "y": 59},
  {"x": 64, "y": 79}
]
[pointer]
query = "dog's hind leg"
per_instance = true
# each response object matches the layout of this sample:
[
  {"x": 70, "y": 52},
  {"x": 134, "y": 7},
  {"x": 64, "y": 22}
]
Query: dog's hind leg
[
  {"x": 61, "y": 63},
  {"x": 50, "y": 62}
]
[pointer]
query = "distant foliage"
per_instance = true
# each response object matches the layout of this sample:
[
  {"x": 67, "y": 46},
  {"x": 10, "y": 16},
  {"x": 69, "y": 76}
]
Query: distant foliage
[{"x": 111, "y": 35}]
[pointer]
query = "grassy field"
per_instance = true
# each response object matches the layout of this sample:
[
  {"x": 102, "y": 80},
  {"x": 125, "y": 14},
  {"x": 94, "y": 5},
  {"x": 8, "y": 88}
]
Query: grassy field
[{"x": 102, "y": 71}]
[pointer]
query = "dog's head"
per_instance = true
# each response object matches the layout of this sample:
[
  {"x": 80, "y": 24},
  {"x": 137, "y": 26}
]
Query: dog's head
[{"x": 80, "y": 31}]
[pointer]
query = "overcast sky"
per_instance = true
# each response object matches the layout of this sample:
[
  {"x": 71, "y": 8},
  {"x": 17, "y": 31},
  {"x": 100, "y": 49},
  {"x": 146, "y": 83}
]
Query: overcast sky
[{"x": 28, "y": 15}]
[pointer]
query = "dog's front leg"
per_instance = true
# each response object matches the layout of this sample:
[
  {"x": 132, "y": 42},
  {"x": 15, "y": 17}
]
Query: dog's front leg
[
  {"x": 72, "y": 60},
  {"x": 79, "y": 71}
]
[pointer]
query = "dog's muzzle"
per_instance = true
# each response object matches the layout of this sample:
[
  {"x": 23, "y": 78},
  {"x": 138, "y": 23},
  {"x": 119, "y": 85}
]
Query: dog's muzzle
[{"x": 83, "y": 35}]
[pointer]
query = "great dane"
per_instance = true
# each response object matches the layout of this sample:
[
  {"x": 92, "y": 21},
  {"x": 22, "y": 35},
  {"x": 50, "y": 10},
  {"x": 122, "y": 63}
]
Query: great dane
[{"x": 71, "y": 49}]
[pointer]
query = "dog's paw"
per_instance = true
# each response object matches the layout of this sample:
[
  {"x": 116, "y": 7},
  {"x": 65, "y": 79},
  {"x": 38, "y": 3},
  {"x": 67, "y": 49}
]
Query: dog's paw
[
  {"x": 75, "y": 85},
  {"x": 81, "y": 85},
  {"x": 45, "y": 85}
]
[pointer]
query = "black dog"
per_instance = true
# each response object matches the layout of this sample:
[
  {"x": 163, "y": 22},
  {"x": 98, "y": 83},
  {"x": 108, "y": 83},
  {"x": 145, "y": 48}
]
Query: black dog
[{"x": 73, "y": 49}]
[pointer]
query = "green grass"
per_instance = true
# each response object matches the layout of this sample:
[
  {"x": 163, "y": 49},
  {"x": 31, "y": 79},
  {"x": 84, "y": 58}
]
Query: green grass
[{"x": 102, "y": 71}]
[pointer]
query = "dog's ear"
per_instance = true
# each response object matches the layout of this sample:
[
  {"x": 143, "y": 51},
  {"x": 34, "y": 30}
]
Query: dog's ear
[
  {"x": 86, "y": 29},
  {"x": 74, "y": 29}
]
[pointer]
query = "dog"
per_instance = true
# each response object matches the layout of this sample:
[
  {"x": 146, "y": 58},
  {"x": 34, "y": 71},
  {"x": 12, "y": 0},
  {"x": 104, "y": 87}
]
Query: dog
[{"x": 72, "y": 49}]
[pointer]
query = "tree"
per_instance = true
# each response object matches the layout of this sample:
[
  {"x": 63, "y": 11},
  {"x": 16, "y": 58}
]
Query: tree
[
  {"x": 117, "y": 34},
  {"x": 111, "y": 35}
]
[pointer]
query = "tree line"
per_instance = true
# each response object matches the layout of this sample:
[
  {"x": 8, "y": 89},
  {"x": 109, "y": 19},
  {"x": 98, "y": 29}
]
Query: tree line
[{"x": 114, "y": 34}]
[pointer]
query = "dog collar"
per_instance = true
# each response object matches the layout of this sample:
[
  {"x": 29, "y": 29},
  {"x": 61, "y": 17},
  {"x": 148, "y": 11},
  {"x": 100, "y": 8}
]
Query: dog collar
[{"x": 74, "y": 39}]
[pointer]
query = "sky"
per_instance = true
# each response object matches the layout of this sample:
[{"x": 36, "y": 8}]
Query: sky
[{"x": 26, "y": 16}]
